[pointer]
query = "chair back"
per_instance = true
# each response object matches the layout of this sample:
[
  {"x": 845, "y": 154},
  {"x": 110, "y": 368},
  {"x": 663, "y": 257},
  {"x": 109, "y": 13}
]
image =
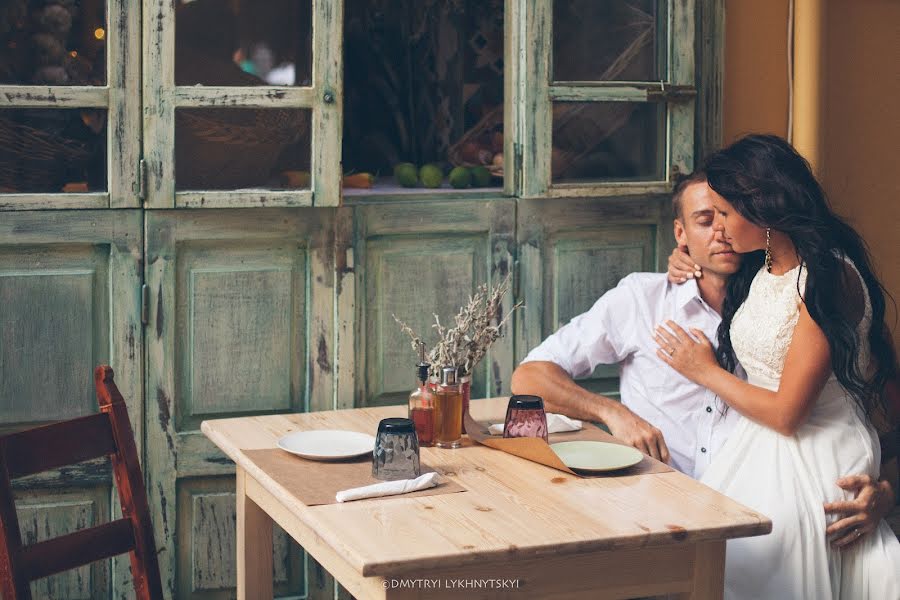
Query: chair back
[{"x": 107, "y": 433}]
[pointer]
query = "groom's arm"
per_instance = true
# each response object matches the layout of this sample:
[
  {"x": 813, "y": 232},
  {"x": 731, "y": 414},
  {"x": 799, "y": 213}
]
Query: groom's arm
[{"x": 563, "y": 395}]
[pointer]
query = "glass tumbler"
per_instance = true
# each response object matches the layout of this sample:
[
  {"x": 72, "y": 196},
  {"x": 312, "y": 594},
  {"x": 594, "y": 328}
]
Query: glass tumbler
[
  {"x": 525, "y": 417},
  {"x": 396, "y": 454}
]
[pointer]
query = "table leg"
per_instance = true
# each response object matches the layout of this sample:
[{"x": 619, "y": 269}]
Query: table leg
[
  {"x": 254, "y": 546},
  {"x": 709, "y": 572}
]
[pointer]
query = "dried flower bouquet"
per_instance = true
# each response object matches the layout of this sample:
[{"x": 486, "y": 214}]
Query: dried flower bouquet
[{"x": 478, "y": 325}]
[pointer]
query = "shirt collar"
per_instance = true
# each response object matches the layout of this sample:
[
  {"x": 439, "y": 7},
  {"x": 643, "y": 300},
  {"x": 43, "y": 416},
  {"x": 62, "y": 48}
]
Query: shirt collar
[{"x": 686, "y": 292}]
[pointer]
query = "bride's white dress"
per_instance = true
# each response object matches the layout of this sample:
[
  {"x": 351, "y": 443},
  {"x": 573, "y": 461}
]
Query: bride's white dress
[{"x": 789, "y": 478}]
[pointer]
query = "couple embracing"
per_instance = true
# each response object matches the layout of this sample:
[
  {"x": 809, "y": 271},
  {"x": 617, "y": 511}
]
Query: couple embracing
[{"x": 760, "y": 369}]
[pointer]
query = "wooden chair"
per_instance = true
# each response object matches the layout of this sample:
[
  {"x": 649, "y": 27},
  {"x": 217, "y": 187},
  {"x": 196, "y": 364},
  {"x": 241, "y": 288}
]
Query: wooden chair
[{"x": 107, "y": 433}]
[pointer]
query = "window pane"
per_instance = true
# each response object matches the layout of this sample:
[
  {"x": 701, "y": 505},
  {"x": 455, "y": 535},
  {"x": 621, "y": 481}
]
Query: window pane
[
  {"x": 233, "y": 148},
  {"x": 53, "y": 43},
  {"x": 52, "y": 150},
  {"x": 609, "y": 40},
  {"x": 602, "y": 141},
  {"x": 218, "y": 42},
  {"x": 423, "y": 84}
]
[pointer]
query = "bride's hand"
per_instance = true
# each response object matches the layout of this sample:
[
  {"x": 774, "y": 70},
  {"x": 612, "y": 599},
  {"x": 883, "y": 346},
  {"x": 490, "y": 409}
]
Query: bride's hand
[
  {"x": 682, "y": 267},
  {"x": 693, "y": 357}
]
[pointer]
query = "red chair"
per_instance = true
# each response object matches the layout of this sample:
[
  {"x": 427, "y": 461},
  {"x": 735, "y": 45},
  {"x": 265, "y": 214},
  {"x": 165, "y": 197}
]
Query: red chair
[{"x": 107, "y": 433}]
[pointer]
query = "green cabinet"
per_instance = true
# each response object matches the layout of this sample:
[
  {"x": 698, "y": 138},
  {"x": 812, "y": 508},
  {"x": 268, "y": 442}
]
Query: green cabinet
[{"x": 199, "y": 238}]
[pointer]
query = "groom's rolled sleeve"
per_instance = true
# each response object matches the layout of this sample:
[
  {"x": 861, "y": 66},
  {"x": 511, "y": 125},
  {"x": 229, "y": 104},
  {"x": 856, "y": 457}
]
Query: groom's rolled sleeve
[{"x": 598, "y": 336}]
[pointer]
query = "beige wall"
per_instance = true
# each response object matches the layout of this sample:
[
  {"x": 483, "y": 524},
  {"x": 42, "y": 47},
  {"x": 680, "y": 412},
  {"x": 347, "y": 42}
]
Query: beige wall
[{"x": 861, "y": 166}]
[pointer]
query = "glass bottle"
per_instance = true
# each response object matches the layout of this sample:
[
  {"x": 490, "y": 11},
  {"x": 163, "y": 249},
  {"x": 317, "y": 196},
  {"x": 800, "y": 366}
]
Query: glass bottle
[
  {"x": 421, "y": 402},
  {"x": 448, "y": 402}
]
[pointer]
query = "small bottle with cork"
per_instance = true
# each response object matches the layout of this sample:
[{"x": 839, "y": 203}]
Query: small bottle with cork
[{"x": 421, "y": 402}]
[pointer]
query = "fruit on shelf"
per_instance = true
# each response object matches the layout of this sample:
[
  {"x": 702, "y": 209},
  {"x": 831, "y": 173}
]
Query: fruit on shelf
[
  {"x": 295, "y": 179},
  {"x": 359, "y": 180},
  {"x": 460, "y": 177},
  {"x": 431, "y": 176},
  {"x": 481, "y": 177},
  {"x": 406, "y": 174}
]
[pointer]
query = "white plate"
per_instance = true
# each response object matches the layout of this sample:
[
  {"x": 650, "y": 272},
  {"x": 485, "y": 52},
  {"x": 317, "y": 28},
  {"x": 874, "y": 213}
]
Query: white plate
[
  {"x": 327, "y": 444},
  {"x": 596, "y": 457}
]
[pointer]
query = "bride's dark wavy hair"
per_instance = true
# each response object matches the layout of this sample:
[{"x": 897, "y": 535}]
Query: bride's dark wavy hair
[{"x": 771, "y": 185}]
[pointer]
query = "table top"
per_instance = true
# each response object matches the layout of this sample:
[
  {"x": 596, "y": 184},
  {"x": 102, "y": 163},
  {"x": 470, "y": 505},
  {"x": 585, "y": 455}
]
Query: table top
[{"x": 512, "y": 507}]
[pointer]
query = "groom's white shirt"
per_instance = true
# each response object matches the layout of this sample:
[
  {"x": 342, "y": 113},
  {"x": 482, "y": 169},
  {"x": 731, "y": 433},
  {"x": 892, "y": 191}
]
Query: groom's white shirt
[{"x": 619, "y": 329}]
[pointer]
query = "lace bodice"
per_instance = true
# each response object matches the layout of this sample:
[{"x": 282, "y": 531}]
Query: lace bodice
[{"x": 763, "y": 325}]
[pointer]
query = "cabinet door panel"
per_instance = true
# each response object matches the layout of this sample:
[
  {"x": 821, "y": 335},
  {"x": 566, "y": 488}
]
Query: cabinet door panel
[
  {"x": 571, "y": 255},
  {"x": 70, "y": 296},
  {"x": 416, "y": 261},
  {"x": 240, "y": 323}
]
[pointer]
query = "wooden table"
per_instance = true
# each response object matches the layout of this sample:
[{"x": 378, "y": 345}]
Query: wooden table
[{"x": 520, "y": 530}]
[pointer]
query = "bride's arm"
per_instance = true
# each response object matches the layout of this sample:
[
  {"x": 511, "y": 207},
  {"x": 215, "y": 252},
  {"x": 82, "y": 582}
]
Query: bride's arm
[{"x": 806, "y": 369}]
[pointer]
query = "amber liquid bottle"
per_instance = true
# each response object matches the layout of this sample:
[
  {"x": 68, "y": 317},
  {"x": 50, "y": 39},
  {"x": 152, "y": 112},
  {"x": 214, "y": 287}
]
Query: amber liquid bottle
[
  {"x": 421, "y": 403},
  {"x": 448, "y": 408}
]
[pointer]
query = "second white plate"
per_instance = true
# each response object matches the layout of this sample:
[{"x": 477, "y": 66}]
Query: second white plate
[
  {"x": 596, "y": 457},
  {"x": 327, "y": 444}
]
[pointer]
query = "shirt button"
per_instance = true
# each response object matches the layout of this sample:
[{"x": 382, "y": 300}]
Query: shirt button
[
  {"x": 703, "y": 450},
  {"x": 709, "y": 409}
]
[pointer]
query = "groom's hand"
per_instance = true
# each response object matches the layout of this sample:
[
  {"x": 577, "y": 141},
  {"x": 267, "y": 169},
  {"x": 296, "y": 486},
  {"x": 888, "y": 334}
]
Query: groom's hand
[
  {"x": 632, "y": 429},
  {"x": 860, "y": 516}
]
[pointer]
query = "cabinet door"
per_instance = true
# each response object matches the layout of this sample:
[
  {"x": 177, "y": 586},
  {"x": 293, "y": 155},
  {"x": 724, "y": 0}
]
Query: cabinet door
[
  {"x": 70, "y": 106},
  {"x": 243, "y": 103},
  {"x": 572, "y": 251},
  {"x": 70, "y": 292},
  {"x": 417, "y": 260},
  {"x": 240, "y": 323},
  {"x": 608, "y": 105}
]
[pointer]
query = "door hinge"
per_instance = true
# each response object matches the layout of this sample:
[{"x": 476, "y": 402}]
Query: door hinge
[
  {"x": 142, "y": 180},
  {"x": 145, "y": 304}
]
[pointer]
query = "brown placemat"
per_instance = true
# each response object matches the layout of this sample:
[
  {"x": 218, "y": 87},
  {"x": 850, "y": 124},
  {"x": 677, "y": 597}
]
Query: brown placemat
[
  {"x": 536, "y": 450},
  {"x": 316, "y": 482}
]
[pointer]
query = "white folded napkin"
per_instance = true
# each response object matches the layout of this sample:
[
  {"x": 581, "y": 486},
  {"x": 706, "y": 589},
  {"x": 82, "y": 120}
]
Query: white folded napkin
[
  {"x": 389, "y": 488},
  {"x": 556, "y": 423}
]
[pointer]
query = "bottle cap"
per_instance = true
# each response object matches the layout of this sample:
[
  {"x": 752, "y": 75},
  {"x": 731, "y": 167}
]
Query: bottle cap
[
  {"x": 448, "y": 376},
  {"x": 423, "y": 367}
]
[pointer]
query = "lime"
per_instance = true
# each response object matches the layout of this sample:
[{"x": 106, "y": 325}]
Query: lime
[
  {"x": 431, "y": 176},
  {"x": 481, "y": 177},
  {"x": 405, "y": 174},
  {"x": 460, "y": 177}
]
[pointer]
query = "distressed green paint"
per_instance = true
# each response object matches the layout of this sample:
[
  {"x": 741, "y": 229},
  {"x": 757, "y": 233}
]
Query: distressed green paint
[
  {"x": 43, "y": 516},
  {"x": 328, "y": 88},
  {"x": 240, "y": 322},
  {"x": 413, "y": 260},
  {"x": 536, "y": 18},
  {"x": 79, "y": 272},
  {"x": 207, "y": 542}
]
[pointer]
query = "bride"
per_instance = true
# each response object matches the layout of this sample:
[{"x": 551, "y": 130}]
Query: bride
[{"x": 804, "y": 317}]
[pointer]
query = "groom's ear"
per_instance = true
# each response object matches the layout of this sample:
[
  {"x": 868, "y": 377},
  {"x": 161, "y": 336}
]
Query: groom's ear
[{"x": 680, "y": 235}]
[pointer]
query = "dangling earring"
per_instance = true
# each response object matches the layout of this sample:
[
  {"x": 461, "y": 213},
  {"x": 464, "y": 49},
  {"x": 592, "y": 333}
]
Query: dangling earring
[{"x": 768, "y": 250}]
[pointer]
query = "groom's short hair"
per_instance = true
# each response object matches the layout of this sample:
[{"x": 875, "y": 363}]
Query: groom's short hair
[{"x": 681, "y": 184}]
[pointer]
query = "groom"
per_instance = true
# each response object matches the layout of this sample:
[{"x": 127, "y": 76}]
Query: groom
[{"x": 662, "y": 413}]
